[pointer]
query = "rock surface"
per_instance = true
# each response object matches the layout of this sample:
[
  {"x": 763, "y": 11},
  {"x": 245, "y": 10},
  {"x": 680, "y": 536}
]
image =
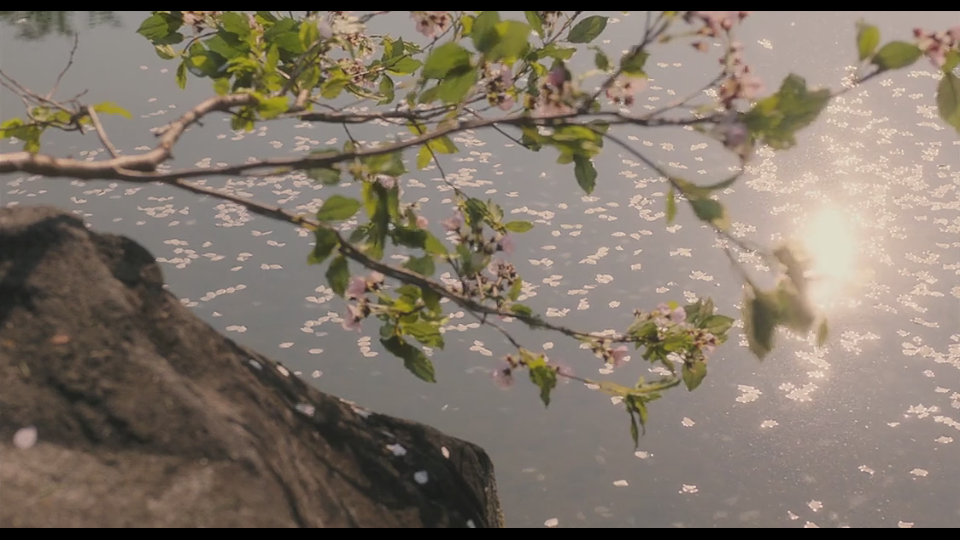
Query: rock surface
[{"x": 145, "y": 416}]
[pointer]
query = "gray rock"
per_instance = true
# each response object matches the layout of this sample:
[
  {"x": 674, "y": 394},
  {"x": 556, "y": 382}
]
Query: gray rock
[{"x": 147, "y": 417}]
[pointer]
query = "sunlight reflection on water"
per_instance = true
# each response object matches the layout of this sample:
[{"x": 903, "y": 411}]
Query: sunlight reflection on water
[{"x": 828, "y": 236}]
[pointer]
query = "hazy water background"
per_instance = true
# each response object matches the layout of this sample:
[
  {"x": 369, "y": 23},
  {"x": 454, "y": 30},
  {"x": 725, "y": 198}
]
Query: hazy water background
[{"x": 865, "y": 433}]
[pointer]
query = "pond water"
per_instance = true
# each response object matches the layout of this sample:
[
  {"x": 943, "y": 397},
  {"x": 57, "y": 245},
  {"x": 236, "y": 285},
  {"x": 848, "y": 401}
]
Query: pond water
[{"x": 863, "y": 433}]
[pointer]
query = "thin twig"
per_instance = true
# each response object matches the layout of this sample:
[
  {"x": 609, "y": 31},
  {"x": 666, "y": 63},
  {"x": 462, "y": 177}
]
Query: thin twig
[
  {"x": 73, "y": 50},
  {"x": 102, "y": 133}
]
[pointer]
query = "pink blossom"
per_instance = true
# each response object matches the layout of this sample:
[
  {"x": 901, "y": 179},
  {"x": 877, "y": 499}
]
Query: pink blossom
[
  {"x": 453, "y": 223},
  {"x": 678, "y": 315},
  {"x": 326, "y": 31},
  {"x": 618, "y": 356},
  {"x": 431, "y": 23},
  {"x": 506, "y": 245},
  {"x": 557, "y": 77},
  {"x": 375, "y": 279},
  {"x": 503, "y": 376},
  {"x": 357, "y": 287},
  {"x": 353, "y": 318},
  {"x": 624, "y": 88},
  {"x": 388, "y": 182}
]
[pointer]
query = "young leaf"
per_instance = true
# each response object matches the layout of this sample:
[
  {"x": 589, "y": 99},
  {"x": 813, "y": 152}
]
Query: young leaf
[
  {"x": 671, "y": 206},
  {"x": 109, "y": 107},
  {"x": 587, "y": 30},
  {"x": 518, "y": 226},
  {"x": 235, "y": 23},
  {"x": 444, "y": 59},
  {"x": 760, "y": 321},
  {"x": 338, "y": 208},
  {"x": 426, "y": 333},
  {"x": 544, "y": 376},
  {"x": 421, "y": 265},
  {"x": 717, "y": 324},
  {"x": 338, "y": 275},
  {"x": 823, "y": 333},
  {"x": 424, "y": 157},
  {"x": 896, "y": 55},
  {"x": 711, "y": 211},
  {"x": 868, "y": 37},
  {"x": 413, "y": 358},
  {"x": 633, "y": 63},
  {"x": 693, "y": 375},
  {"x": 533, "y": 19},
  {"x": 325, "y": 242},
  {"x": 154, "y": 27},
  {"x": 948, "y": 100},
  {"x": 182, "y": 75},
  {"x": 586, "y": 173}
]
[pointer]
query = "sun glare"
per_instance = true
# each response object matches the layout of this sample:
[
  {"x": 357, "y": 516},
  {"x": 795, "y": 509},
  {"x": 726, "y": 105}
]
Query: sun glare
[{"x": 830, "y": 241}]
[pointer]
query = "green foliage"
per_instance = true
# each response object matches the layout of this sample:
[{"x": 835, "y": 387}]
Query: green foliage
[
  {"x": 775, "y": 120},
  {"x": 896, "y": 55},
  {"x": 295, "y": 66},
  {"x": 338, "y": 208},
  {"x": 868, "y": 37},
  {"x": 948, "y": 99},
  {"x": 587, "y": 30}
]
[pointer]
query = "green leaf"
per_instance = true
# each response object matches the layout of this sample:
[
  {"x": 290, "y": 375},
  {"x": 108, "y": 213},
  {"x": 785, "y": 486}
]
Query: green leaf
[
  {"x": 760, "y": 321},
  {"x": 413, "y": 358},
  {"x": 309, "y": 34},
  {"x": 426, "y": 333},
  {"x": 421, "y": 265},
  {"x": 556, "y": 52},
  {"x": 693, "y": 375},
  {"x": 776, "y": 119},
  {"x": 717, "y": 324},
  {"x": 533, "y": 19},
  {"x": 896, "y": 55},
  {"x": 182, "y": 75},
  {"x": 515, "y": 289},
  {"x": 404, "y": 65},
  {"x": 634, "y": 62},
  {"x": 165, "y": 51},
  {"x": 220, "y": 45},
  {"x": 518, "y": 226},
  {"x": 951, "y": 61},
  {"x": 948, "y": 99},
  {"x": 601, "y": 60},
  {"x": 433, "y": 245},
  {"x": 443, "y": 145},
  {"x": 325, "y": 242},
  {"x": 823, "y": 333},
  {"x": 333, "y": 87},
  {"x": 338, "y": 208},
  {"x": 338, "y": 275},
  {"x": 444, "y": 59},
  {"x": 671, "y": 206},
  {"x": 424, "y": 157},
  {"x": 109, "y": 107},
  {"x": 431, "y": 299},
  {"x": 868, "y": 37},
  {"x": 272, "y": 107},
  {"x": 585, "y": 172},
  {"x": 154, "y": 27},
  {"x": 235, "y": 23},
  {"x": 512, "y": 41},
  {"x": 457, "y": 84},
  {"x": 587, "y": 30},
  {"x": 544, "y": 377},
  {"x": 521, "y": 309},
  {"x": 221, "y": 86},
  {"x": 484, "y": 31},
  {"x": 711, "y": 211},
  {"x": 387, "y": 89}
]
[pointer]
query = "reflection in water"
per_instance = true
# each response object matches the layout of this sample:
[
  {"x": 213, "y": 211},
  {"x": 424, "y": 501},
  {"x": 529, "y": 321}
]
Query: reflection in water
[
  {"x": 828, "y": 238},
  {"x": 33, "y": 25}
]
